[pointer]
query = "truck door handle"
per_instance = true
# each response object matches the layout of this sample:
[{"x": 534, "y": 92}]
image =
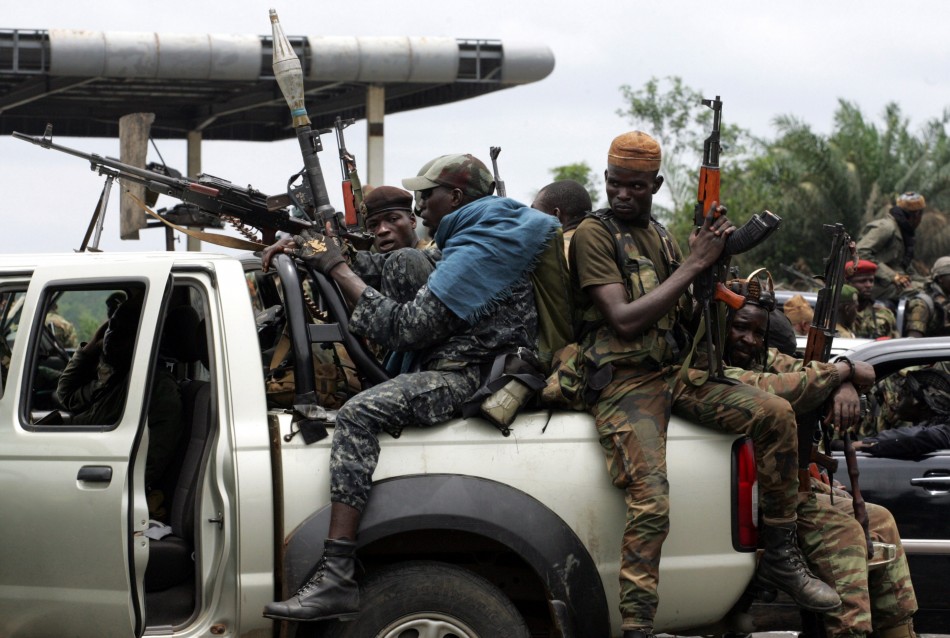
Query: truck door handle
[
  {"x": 933, "y": 483},
  {"x": 95, "y": 474}
]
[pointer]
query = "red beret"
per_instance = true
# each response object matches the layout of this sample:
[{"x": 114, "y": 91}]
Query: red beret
[{"x": 864, "y": 267}]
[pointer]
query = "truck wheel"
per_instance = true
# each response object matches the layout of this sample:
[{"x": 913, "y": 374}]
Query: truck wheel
[{"x": 435, "y": 600}]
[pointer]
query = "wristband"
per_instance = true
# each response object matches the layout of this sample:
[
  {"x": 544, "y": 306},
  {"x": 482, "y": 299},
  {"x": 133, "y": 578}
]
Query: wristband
[{"x": 850, "y": 366}]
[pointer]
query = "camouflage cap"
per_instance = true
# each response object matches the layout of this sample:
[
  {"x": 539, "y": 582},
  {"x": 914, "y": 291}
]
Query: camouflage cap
[
  {"x": 464, "y": 172},
  {"x": 385, "y": 198},
  {"x": 848, "y": 294},
  {"x": 911, "y": 201},
  {"x": 941, "y": 267}
]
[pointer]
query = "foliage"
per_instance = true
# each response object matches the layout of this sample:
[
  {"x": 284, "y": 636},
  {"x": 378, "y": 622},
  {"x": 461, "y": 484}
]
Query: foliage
[
  {"x": 583, "y": 174},
  {"x": 849, "y": 176}
]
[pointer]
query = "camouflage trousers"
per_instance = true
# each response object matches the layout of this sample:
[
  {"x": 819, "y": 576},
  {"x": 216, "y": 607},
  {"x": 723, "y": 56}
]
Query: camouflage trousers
[
  {"x": 834, "y": 546},
  {"x": 418, "y": 398},
  {"x": 632, "y": 415}
]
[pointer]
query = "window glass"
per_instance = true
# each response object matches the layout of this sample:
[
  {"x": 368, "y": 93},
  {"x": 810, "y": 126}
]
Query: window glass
[
  {"x": 82, "y": 355},
  {"x": 11, "y": 306}
]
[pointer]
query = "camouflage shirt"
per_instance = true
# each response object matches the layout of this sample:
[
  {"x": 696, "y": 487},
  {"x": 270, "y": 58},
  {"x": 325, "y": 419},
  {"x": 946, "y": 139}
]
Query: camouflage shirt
[
  {"x": 874, "y": 322},
  {"x": 426, "y": 325},
  {"x": 805, "y": 387},
  {"x": 928, "y": 312}
]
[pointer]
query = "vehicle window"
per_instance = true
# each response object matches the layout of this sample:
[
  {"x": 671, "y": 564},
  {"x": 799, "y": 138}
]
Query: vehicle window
[
  {"x": 911, "y": 396},
  {"x": 11, "y": 306},
  {"x": 81, "y": 354}
]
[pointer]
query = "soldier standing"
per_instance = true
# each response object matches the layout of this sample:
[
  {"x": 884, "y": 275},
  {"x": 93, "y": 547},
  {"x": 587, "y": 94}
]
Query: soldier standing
[
  {"x": 632, "y": 353},
  {"x": 889, "y": 242}
]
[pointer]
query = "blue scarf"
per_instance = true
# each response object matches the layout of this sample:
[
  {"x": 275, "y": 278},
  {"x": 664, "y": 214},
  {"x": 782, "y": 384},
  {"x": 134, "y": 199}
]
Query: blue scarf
[{"x": 487, "y": 246}]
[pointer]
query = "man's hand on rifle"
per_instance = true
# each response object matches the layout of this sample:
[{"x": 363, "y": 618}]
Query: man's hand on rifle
[
  {"x": 316, "y": 249},
  {"x": 709, "y": 240},
  {"x": 844, "y": 409}
]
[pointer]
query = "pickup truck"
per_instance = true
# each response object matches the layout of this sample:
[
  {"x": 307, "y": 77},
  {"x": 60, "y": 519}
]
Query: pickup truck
[
  {"x": 917, "y": 492},
  {"x": 468, "y": 532}
]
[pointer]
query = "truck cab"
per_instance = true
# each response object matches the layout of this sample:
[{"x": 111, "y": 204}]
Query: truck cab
[{"x": 524, "y": 528}]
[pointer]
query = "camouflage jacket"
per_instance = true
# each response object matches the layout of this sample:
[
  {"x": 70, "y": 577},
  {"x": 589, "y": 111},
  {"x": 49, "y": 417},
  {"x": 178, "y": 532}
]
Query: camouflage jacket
[
  {"x": 874, "y": 322},
  {"x": 882, "y": 243},
  {"x": 928, "y": 312},
  {"x": 806, "y": 387},
  {"x": 443, "y": 339}
]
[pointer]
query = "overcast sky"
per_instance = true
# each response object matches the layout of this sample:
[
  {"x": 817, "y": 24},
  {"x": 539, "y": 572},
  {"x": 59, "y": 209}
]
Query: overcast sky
[{"x": 763, "y": 58}]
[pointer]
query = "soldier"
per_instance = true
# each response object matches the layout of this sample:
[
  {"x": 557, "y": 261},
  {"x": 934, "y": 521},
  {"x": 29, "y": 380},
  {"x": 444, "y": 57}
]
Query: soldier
[
  {"x": 889, "y": 242},
  {"x": 800, "y": 314},
  {"x": 455, "y": 325},
  {"x": 874, "y": 320},
  {"x": 63, "y": 331},
  {"x": 833, "y": 541},
  {"x": 928, "y": 312},
  {"x": 389, "y": 217},
  {"x": 632, "y": 354},
  {"x": 567, "y": 200},
  {"x": 847, "y": 311}
]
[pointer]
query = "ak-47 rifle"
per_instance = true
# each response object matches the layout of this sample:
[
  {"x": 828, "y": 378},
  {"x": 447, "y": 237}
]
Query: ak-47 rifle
[
  {"x": 500, "y": 190},
  {"x": 352, "y": 188},
  {"x": 818, "y": 348},
  {"x": 710, "y": 287},
  {"x": 811, "y": 282},
  {"x": 208, "y": 193}
]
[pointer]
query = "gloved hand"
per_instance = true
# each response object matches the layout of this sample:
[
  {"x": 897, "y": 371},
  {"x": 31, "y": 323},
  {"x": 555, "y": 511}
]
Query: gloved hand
[
  {"x": 319, "y": 251},
  {"x": 902, "y": 280}
]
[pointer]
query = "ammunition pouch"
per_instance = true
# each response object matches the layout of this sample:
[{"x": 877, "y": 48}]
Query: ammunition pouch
[{"x": 510, "y": 382}]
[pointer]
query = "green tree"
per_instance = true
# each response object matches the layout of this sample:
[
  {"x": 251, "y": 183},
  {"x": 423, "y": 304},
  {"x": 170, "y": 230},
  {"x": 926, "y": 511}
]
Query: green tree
[{"x": 583, "y": 174}]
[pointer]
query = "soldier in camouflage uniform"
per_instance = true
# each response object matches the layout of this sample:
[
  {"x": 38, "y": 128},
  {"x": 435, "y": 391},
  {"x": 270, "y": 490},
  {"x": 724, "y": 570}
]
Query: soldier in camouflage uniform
[
  {"x": 630, "y": 282},
  {"x": 63, "y": 331},
  {"x": 928, "y": 312},
  {"x": 874, "y": 320},
  {"x": 889, "y": 242},
  {"x": 882, "y": 599},
  {"x": 455, "y": 325}
]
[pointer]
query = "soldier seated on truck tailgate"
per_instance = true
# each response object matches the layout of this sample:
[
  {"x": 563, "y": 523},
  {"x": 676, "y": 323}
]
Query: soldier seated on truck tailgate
[
  {"x": 478, "y": 303},
  {"x": 831, "y": 538},
  {"x": 636, "y": 304}
]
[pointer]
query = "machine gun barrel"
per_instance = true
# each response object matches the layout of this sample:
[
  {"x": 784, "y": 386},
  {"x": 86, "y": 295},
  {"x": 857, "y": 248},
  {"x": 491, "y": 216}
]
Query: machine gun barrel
[{"x": 211, "y": 194}]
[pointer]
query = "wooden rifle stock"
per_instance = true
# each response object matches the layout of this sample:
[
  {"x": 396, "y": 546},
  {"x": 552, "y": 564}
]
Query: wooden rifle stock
[{"x": 857, "y": 502}]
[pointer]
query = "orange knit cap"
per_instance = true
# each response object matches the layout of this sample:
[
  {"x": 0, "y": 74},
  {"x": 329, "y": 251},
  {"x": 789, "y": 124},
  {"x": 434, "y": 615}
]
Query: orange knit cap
[
  {"x": 797, "y": 310},
  {"x": 635, "y": 151}
]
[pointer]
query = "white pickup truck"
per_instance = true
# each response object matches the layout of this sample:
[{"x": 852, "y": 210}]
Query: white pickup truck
[{"x": 468, "y": 533}]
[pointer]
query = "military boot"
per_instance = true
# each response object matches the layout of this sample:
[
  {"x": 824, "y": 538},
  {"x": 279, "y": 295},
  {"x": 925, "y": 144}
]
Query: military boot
[
  {"x": 783, "y": 567},
  {"x": 330, "y": 592}
]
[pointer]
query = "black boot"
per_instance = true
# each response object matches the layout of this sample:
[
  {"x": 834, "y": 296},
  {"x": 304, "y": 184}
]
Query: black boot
[
  {"x": 638, "y": 633},
  {"x": 783, "y": 566},
  {"x": 330, "y": 593}
]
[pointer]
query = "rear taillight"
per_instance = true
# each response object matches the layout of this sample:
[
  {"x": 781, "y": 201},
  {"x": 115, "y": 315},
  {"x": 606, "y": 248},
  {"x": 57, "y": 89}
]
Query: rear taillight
[{"x": 745, "y": 497}]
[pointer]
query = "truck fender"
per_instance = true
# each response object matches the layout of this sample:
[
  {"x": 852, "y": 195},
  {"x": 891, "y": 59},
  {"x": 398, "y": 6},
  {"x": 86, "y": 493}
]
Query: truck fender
[{"x": 479, "y": 506}]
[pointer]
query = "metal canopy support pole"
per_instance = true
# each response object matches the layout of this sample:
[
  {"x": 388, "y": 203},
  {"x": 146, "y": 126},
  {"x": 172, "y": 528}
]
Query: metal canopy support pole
[
  {"x": 194, "y": 167},
  {"x": 375, "y": 112}
]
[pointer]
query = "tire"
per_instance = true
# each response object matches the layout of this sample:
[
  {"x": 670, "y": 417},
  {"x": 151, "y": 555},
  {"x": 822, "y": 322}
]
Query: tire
[{"x": 431, "y": 599}]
